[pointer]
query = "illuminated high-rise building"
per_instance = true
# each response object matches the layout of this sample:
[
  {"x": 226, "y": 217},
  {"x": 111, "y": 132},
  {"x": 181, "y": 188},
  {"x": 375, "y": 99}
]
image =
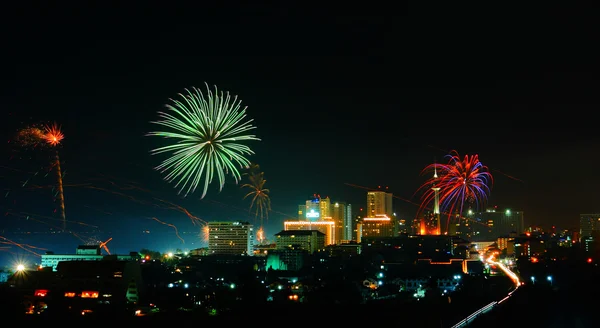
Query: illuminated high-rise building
[
  {"x": 313, "y": 209},
  {"x": 325, "y": 207},
  {"x": 341, "y": 214},
  {"x": 379, "y": 203},
  {"x": 230, "y": 238}
]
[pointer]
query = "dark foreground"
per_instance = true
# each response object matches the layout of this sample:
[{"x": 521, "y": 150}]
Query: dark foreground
[{"x": 570, "y": 302}]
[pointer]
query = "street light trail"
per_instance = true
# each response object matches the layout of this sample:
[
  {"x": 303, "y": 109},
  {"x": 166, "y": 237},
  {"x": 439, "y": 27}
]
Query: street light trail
[{"x": 506, "y": 271}]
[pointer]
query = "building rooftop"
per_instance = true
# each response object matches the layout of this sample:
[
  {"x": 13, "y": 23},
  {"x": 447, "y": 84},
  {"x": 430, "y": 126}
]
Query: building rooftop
[
  {"x": 229, "y": 223},
  {"x": 88, "y": 247},
  {"x": 298, "y": 233}
]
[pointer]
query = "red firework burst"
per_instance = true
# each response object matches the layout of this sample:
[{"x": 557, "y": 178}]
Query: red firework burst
[{"x": 457, "y": 182}]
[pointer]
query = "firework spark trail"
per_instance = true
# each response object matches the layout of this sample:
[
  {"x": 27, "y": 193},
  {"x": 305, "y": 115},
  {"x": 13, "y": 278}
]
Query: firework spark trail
[
  {"x": 29, "y": 217},
  {"x": 246, "y": 210},
  {"x": 61, "y": 194},
  {"x": 16, "y": 170},
  {"x": 260, "y": 199},
  {"x": 167, "y": 205},
  {"x": 182, "y": 209},
  {"x": 49, "y": 135},
  {"x": 172, "y": 226},
  {"x": 508, "y": 175},
  {"x": 53, "y": 136},
  {"x": 128, "y": 185},
  {"x": 32, "y": 136},
  {"x": 32, "y": 175},
  {"x": 25, "y": 247},
  {"x": 97, "y": 210},
  {"x": 129, "y": 197},
  {"x": 208, "y": 133}
]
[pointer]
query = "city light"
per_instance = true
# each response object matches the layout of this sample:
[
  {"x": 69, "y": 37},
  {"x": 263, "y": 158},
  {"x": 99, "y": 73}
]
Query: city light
[
  {"x": 20, "y": 267},
  {"x": 506, "y": 271}
]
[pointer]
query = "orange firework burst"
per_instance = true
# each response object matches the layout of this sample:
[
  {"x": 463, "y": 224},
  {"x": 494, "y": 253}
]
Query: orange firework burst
[
  {"x": 205, "y": 233},
  {"x": 50, "y": 135},
  {"x": 260, "y": 235},
  {"x": 53, "y": 135}
]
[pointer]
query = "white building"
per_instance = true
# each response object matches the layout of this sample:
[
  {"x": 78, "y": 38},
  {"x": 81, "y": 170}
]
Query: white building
[
  {"x": 83, "y": 253},
  {"x": 230, "y": 238}
]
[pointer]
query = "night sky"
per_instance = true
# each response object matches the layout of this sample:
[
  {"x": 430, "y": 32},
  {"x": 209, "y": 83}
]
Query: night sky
[{"x": 362, "y": 96}]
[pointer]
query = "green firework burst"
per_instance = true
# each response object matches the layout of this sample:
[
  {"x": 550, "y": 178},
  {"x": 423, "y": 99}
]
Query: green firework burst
[{"x": 208, "y": 132}]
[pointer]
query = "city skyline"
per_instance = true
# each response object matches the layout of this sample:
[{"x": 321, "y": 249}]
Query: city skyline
[{"x": 356, "y": 115}]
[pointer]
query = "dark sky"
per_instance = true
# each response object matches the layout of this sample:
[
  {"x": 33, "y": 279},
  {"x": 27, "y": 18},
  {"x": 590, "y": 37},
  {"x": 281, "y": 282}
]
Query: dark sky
[{"x": 366, "y": 96}]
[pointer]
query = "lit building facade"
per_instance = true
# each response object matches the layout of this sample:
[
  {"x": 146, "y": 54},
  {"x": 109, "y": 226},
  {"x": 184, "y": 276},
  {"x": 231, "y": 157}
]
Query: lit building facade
[
  {"x": 326, "y": 227},
  {"x": 379, "y": 203},
  {"x": 325, "y": 207},
  {"x": 230, "y": 238},
  {"x": 491, "y": 224},
  {"x": 378, "y": 226},
  {"x": 588, "y": 223},
  {"x": 309, "y": 240},
  {"x": 313, "y": 209},
  {"x": 430, "y": 224},
  {"x": 341, "y": 214},
  {"x": 82, "y": 253}
]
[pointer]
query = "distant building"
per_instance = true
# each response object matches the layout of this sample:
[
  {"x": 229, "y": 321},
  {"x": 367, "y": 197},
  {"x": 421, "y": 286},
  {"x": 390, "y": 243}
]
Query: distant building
[
  {"x": 230, "y": 238},
  {"x": 506, "y": 243},
  {"x": 82, "y": 253},
  {"x": 379, "y": 203},
  {"x": 327, "y": 227},
  {"x": 588, "y": 223},
  {"x": 312, "y": 208},
  {"x": 379, "y": 226},
  {"x": 341, "y": 214},
  {"x": 202, "y": 251},
  {"x": 489, "y": 225},
  {"x": 308, "y": 240}
]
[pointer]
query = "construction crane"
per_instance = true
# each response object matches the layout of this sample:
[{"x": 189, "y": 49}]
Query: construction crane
[{"x": 103, "y": 245}]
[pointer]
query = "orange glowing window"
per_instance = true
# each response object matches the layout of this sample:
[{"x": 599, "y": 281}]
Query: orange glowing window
[
  {"x": 40, "y": 292},
  {"x": 89, "y": 294},
  {"x": 69, "y": 294}
]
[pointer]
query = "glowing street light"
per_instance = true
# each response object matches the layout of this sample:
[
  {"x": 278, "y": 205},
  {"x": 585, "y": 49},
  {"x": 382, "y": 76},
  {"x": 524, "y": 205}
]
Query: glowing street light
[{"x": 20, "y": 268}]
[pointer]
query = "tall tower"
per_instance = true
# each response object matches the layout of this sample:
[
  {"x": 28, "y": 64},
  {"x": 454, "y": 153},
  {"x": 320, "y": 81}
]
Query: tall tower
[
  {"x": 436, "y": 203},
  {"x": 430, "y": 222},
  {"x": 436, "y": 198}
]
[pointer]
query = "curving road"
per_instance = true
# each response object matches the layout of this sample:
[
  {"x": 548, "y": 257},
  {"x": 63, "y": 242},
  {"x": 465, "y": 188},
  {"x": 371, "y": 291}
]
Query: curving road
[{"x": 513, "y": 276}]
